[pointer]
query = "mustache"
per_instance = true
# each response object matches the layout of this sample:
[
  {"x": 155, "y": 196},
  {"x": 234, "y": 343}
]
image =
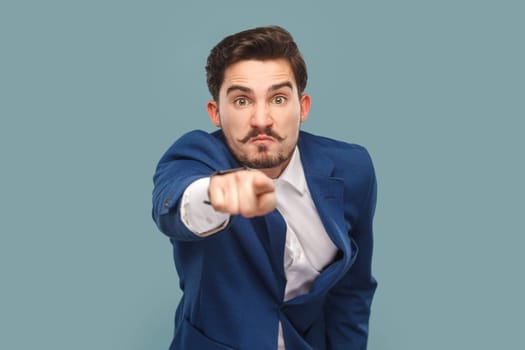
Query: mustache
[{"x": 257, "y": 132}]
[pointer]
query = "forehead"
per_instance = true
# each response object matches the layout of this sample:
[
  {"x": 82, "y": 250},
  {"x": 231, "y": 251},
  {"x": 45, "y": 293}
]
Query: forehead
[{"x": 257, "y": 74}]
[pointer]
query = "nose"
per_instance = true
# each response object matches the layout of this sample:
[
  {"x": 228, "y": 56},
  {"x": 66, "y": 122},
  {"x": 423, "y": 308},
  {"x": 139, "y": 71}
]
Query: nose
[{"x": 261, "y": 117}]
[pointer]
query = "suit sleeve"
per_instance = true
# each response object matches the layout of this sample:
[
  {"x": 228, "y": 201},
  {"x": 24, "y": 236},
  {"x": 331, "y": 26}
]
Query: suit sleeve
[
  {"x": 194, "y": 156},
  {"x": 349, "y": 301}
]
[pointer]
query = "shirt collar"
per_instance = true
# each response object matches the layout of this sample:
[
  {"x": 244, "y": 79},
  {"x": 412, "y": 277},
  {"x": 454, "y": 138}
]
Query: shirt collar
[{"x": 293, "y": 174}]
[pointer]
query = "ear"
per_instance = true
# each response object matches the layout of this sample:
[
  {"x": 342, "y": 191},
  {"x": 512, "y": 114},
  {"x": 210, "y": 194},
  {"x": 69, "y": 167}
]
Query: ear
[
  {"x": 305, "y": 106},
  {"x": 213, "y": 113}
]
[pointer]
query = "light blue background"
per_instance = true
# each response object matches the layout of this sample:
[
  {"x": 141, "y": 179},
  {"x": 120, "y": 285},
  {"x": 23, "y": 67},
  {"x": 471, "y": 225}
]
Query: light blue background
[{"x": 93, "y": 92}]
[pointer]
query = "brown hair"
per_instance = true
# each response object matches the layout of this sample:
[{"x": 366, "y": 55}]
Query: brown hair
[{"x": 260, "y": 43}]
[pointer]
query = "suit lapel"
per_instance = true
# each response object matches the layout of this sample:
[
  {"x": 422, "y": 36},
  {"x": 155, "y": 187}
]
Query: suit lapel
[
  {"x": 327, "y": 194},
  {"x": 327, "y": 191},
  {"x": 271, "y": 232}
]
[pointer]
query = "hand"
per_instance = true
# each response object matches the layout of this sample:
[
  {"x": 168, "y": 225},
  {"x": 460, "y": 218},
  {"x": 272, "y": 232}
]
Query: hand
[{"x": 245, "y": 192}]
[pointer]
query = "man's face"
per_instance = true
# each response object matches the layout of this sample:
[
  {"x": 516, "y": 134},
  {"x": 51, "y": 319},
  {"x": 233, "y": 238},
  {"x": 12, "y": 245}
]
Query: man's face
[{"x": 260, "y": 112}]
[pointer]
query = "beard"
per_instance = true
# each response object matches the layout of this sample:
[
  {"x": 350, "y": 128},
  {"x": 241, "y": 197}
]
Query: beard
[{"x": 263, "y": 160}]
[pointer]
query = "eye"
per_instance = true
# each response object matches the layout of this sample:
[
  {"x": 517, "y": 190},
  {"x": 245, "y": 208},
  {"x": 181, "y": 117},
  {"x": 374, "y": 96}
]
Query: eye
[
  {"x": 241, "y": 101},
  {"x": 279, "y": 100}
]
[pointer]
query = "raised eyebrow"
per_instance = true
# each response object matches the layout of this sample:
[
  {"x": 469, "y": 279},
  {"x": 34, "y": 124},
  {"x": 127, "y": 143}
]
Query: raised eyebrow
[
  {"x": 281, "y": 85},
  {"x": 238, "y": 88}
]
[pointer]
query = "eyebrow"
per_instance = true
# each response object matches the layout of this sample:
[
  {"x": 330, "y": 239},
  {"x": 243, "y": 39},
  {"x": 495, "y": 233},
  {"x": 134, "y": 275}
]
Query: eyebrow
[
  {"x": 281, "y": 85},
  {"x": 238, "y": 87},
  {"x": 248, "y": 90}
]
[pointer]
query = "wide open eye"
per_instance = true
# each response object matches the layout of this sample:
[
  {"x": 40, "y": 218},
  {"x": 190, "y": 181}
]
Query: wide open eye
[
  {"x": 279, "y": 99},
  {"x": 241, "y": 101}
]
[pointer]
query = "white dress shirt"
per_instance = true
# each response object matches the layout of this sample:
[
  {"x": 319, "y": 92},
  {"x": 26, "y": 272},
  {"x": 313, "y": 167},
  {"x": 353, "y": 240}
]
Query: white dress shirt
[{"x": 308, "y": 249}]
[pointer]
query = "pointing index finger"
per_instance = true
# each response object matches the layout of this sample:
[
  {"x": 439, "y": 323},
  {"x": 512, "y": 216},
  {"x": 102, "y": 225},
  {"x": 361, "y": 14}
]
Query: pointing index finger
[{"x": 262, "y": 184}]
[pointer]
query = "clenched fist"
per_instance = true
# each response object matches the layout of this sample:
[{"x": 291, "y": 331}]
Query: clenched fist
[{"x": 246, "y": 192}]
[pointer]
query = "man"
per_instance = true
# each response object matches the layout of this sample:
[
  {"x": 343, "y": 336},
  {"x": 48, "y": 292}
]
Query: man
[{"x": 271, "y": 226}]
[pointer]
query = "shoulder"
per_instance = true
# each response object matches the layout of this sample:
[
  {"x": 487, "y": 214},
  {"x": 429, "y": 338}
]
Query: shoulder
[
  {"x": 340, "y": 152},
  {"x": 206, "y": 147},
  {"x": 349, "y": 162}
]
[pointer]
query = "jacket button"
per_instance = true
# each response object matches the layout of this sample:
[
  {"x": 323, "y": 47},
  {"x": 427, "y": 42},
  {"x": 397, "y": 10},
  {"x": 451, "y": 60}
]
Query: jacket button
[{"x": 167, "y": 203}]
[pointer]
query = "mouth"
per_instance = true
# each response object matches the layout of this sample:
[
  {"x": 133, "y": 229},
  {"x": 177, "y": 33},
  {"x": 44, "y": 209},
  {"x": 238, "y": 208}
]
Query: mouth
[
  {"x": 266, "y": 135},
  {"x": 261, "y": 138}
]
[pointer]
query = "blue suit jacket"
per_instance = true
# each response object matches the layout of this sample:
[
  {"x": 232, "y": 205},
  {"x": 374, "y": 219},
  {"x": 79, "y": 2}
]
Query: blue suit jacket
[{"x": 233, "y": 282}]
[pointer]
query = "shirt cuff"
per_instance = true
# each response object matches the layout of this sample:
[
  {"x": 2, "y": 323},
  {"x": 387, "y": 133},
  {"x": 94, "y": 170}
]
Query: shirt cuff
[{"x": 199, "y": 217}]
